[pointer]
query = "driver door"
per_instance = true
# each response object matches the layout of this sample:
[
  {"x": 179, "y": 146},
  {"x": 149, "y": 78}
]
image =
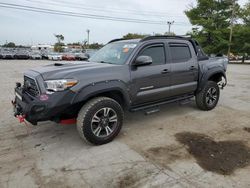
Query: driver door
[{"x": 151, "y": 82}]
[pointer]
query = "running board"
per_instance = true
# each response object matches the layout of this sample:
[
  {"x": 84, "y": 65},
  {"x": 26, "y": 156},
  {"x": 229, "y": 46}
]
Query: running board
[
  {"x": 151, "y": 111},
  {"x": 156, "y": 105}
]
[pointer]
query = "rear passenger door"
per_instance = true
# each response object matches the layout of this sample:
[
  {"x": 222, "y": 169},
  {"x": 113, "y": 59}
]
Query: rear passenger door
[{"x": 184, "y": 68}]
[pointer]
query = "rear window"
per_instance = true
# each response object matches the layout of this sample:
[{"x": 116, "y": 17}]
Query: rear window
[{"x": 180, "y": 53}]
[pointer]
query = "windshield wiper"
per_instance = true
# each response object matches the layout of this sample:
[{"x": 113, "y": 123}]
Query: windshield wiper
[{"x": 105, "y": 62}]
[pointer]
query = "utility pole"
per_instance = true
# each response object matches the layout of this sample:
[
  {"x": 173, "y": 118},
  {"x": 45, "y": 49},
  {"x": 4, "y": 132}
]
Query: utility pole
[
  {"x": 169, "y": 26},
  {"x": 88, "y": 31},
  {"x": 231, "y": 27}
]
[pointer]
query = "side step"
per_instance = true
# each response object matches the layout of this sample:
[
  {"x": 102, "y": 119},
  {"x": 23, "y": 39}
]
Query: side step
[
  {"x": 155, "y": 106},
  {"x": 185, "y": 101},
  {"x": 152, "y": 111}
]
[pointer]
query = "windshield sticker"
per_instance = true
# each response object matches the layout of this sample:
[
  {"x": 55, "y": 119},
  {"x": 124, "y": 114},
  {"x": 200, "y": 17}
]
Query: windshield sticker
[
  {"x": 125, "y": 50},
  {"x": 130, "y": 46}
]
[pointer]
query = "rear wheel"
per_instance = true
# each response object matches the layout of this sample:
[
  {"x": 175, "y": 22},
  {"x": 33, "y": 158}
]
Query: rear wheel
[
  {"x": 208, "y": 97},
  {"x": 100, "y": 120}
]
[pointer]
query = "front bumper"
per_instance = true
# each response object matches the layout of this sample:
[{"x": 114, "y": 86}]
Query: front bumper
[{"x": 41, "y": 108}]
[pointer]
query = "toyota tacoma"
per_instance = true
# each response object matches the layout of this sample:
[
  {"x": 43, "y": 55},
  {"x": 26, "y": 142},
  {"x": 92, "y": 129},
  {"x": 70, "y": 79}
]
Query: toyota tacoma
[{"x": 137, "y": 74}]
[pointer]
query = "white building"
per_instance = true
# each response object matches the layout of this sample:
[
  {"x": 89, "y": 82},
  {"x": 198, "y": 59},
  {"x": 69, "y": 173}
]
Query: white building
[{"x": 42, "y": 47}]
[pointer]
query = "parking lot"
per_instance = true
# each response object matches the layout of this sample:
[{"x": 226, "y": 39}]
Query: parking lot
[{"x": 180, "y": 146}]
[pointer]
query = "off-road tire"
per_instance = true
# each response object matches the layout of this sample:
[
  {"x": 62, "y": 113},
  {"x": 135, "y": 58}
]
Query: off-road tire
[
  {"x": 202, "y": 95},
  {"x": 86, "y": 114}
]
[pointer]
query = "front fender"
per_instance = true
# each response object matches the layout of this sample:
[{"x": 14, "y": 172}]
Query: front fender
[{"x": 102, "y": 87}]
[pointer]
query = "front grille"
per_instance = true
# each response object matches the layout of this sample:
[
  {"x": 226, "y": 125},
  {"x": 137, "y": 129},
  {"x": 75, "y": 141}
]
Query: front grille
[{"x": 30, "y": 86}]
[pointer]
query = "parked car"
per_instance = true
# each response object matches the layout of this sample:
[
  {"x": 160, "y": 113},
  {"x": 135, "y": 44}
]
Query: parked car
[
  {"x": 55, "y": 56},
  {"x": 81, "y": 56},
  {"x": 22, "y": 55},
  {"x": 90, "y": 52},
  {"x": 44, "y": 54},
  {"x": 8, "y": 55},
  {"x": 138, "y": 74},
  {"x": 35, "y": 55},
  {"x": 68, "y": 57}
]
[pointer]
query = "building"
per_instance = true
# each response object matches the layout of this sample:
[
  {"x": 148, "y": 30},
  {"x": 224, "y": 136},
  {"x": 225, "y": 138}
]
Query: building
[{"x": 42, "y": 47}]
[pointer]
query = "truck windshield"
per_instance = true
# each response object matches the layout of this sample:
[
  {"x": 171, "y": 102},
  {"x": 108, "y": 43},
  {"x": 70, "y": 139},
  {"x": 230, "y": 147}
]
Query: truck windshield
[{"x": 114, "y": 53}]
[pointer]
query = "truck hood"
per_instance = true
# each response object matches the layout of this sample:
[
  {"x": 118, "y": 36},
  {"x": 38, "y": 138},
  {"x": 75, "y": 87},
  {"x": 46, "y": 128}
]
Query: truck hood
[{"x": 72, "y": 69}]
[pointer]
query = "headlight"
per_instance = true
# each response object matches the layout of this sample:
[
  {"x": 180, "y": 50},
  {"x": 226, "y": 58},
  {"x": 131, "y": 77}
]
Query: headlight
[{"x": 59, "y": 85}]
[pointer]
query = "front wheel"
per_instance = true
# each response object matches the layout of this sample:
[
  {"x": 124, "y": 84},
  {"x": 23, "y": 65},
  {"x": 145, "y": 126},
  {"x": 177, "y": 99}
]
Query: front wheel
[
  {"x": 208, "y": 97},
  {"x": 100, "y": 120}
]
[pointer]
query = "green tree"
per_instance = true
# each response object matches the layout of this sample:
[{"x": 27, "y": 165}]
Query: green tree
[
  {"x": 58, "y": 47},
  {"x": 59, "y": 38},
  {"x": 95, "y": 46},
  {"x": 241, "y": 36},
  {"x": 170, "y": 34},
  {"x": 241, "y": 41},
  {"x": 134, "y": 36},
  {"x": 245, "y": 14},
  {"x": 211, "y": 20},
  {"x": 10, "y": 45}
]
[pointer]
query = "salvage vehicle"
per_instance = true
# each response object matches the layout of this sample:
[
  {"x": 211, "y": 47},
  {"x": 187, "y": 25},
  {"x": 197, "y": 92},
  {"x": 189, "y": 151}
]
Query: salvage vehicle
[
  {"x": 7, "y": 55},
  {"x": 54, "y": 56},
  {"x": 81, "y": 56},
  {"x": 21, "y": 55},
  {"x": 45, "y": 54},
  {"x": 133, "y": 75},
  {"x": 35, "y": 55},
  {"x": 68, "y": 57}
]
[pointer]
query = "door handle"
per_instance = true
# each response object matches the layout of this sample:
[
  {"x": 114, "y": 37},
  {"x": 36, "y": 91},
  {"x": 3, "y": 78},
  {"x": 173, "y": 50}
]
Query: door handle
[
  {"x": 192, "y": 68},
  {"x": 165, "y": 71}
]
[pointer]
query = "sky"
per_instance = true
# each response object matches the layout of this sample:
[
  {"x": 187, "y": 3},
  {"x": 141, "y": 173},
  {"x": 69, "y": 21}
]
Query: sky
[{"x": 31, "y": 28}]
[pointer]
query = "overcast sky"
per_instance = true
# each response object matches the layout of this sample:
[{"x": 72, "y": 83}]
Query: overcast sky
[{"x": 23, "y": 27}]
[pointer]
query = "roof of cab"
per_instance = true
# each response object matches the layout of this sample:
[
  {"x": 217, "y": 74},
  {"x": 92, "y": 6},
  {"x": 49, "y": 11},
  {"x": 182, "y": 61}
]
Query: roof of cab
[{"x": 151, "y": 38}]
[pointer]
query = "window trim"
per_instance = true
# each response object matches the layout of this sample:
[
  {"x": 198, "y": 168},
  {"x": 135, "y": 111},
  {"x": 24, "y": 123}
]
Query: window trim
[
  {"x": 160, "y": 44},
  {"x": 179, "y": 44}
]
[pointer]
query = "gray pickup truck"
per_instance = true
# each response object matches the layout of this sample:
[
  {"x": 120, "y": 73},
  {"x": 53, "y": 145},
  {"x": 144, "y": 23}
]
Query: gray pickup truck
[{"x": 138, "y": 74}]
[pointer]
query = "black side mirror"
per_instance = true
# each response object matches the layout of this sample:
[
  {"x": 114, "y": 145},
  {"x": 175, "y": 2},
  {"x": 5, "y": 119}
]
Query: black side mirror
[{"x": 143, "y": 60}]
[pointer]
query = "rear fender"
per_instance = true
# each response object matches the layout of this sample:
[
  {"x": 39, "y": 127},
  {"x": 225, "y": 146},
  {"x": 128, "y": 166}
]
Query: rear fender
[{"x": 209, "y": 74}]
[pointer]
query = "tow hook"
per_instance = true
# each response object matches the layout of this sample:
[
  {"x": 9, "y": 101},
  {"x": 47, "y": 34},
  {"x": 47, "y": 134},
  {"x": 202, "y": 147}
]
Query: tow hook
[{"x": 21, "y": 118}]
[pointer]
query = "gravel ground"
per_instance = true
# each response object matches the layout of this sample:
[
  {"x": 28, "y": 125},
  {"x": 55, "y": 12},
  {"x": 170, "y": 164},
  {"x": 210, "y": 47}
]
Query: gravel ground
[{"x": 180, "y": 146}]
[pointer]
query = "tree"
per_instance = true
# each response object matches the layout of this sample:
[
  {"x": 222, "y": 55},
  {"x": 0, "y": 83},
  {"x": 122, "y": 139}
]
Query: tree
[
  {"x": 58, "y": 47},
  {"x": 241, "y": 41},
  {"x": 211, "y": 20},
  {"x": 241, "y": 37},
  {"x": 134, "y": 36},
  {"x": 59, "y": 38},
  {"x": 170, "y": 34},
  {"x": 245, "y": 14},
  {"x": 95, "y": 46},
  {"x": 10, "y": 45}
]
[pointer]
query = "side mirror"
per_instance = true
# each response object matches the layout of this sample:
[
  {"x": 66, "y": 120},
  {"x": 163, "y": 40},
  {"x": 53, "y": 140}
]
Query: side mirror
[{"x": 143, "y": 60}]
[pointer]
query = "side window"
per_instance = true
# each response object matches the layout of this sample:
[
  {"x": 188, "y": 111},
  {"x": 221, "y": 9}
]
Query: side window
[
  {"x": 156, "y": 52},
  {"x": 180, "y": 53}
]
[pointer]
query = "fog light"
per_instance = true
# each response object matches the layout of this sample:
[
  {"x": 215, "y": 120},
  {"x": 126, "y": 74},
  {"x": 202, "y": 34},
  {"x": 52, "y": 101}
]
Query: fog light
[{"x": 38, "y": 109}]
